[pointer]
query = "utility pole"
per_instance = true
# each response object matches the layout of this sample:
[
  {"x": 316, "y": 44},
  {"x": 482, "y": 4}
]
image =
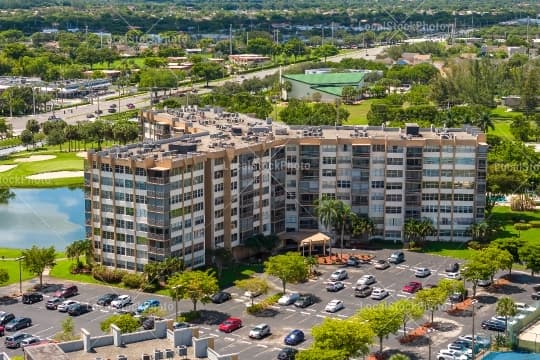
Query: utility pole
[
  {"x": 230, "y": 39},
  {"x": 332, "y": 31},
  {"x": 473, "y": 342},
  {"x": 322, "y": 40}
]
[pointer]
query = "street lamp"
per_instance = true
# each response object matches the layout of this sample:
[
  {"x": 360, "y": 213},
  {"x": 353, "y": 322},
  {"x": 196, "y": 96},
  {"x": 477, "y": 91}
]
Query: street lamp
[
  {"x": 473, "y": 303},
  {"x": 176, "y": 302},
  {"x": 20, "y": 259}
]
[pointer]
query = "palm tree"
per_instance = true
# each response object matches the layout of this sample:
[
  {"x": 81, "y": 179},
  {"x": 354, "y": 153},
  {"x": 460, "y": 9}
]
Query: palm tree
[
  {"x": 345, "y": 216},
  {"x": 410, "y": 230},
  {"x": 312, "y": 263},
  {"x": 506, "y": 307},
  {"x": 327, "y": 213},
  {"x": 479, "y": 231},
  {"x": 363, "y": 226},
  {"x": 485, "y": 122},
  {"x": 73, "y": 251},
  {"x": 425, "y": 229}
]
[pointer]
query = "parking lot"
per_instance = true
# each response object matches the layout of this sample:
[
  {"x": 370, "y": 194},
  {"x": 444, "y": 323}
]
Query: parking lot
[{"x": 282, "y": 319}]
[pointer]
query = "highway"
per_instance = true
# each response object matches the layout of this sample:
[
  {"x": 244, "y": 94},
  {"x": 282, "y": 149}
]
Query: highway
[{"x": 79, "y": 113}]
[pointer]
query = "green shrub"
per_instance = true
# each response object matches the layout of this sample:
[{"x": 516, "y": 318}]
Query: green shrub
[
  {"x": 190, "y": 316},
  {"x": 255, "y": 308},
  {"x": 522, "y": 226},
  {"x": 271, "y": 300},
  {"x": 108, "y": 275},
  {"x": 475, "y": 245},
  {"x": 535, "y": 223},
  {"x": 133, "y": 281}
]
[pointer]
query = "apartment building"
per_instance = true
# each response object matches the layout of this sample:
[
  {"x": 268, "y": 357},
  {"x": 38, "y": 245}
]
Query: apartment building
[{"x": 203, "y": 179}]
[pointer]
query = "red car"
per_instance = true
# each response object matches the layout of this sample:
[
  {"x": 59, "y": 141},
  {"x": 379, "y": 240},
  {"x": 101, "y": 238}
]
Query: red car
[
  {"x": 412, "y": 287},
  {"x": 230, "y": 325}
]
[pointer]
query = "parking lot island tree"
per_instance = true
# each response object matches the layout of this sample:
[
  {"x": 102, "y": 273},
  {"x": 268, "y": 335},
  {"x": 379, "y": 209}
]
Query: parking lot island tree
[
  {"x": 530, "y": 256},
  {"x": 350, "y": 336},
  {"x": 475, "y": 270},
  {"x": 506, "y": 307},
  {"x": 383, "y": 319},
  {"x": 194, "y": 285},
  {"x": 255, "y": 285},
  {"x": 37, "y": 259},
  {"x": 125, "y": 322},
  {"x": 430, "y": 299},
  {"x": 496, "y": 259},
  {"x": 408, "y": 310},
  {"x": 512, "y": 245},
  {"x": 290, "y": 267}
]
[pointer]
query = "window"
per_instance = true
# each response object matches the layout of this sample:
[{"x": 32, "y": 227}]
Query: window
[
  {"x": 377, "y": 196},
  {"x": 218, "y": 187},
  {"x": 394, "y": 161},
  {"x": 328, "y": 172},
  {"x": 218, "y": 174},
  {"x": 329, "y": 160},
  {"x": 343, "y": 184},
  {"x": 140, "y": 171},
  {"x": 291, "y": 195},
  {"x": 394, "y": 173},
  {"x": 378, "y": 148},
  {"x": 431, "y": 172},
  {"x": 377, "y": 184},
  {"x": 394, "y": 186},
  {"x": 393, "y": 209},
  {"x": 394, "y": 197}
]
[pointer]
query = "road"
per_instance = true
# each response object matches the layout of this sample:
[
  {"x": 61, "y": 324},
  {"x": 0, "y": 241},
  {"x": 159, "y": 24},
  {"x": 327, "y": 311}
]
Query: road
[
  {"x": 282, "y": 319},
  {"x": 79, "y": 113}
]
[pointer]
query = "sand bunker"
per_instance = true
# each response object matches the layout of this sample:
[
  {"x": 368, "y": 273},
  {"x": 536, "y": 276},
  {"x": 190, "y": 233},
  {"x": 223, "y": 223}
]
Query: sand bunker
[
  {"x": 56, "y": 175},
  {"x": 82, "y": 154},
  {"x": 6, "y": 167},
  {"x": 35, "y": 158}
]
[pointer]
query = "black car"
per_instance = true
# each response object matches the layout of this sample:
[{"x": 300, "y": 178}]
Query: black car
[
  {"x": 148, "y": 324},
  {"x": 220, "y": 297},
  {"x": 106, "y": 299},
  {"x": 304, "y": 301},
  {"x": 18, "y": 323},
  {"x": 536, "y": 295},
  {"x": 31, "y": 298},
  {"x": 79, "y": 309},
  {"x": 6, "y": 317},
  {"x": 111, "y": 110},
  {"x": 287, "y": 354},
  {"x": 452, "y": 268},
  {"x": 493, "y": 325}
]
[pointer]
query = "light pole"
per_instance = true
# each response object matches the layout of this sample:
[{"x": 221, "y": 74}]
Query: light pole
[
  {"x": 175, "y": 302},
  {"x": 473, "y": 303},
  {"x": 20, "y": 259}
]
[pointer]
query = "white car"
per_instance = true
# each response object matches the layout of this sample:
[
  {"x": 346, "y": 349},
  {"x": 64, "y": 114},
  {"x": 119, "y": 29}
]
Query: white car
[
  {"x": 252, "y": 294},
  {"x": 63, "y": 307},
  {"x": 480, "y": 340},
  {"x": 260, "y": 331},
  {"x": 522, "y": 307},
  {"x": 451, "y": 355},
  {"x": 484, "y": 282},
  {"x": 334, "y": 305},
  {"x": 366, "y": 280},
  {"x": 422, "y": 272},
  {"x": 379, "y": 294},
  {"x": 288, "y": 299},
  {"x": 121, "y": 301},
  {"x": 453, "y": 275},
  {"x": 339, "y": 275},
  {"x": 511, "y": 320}
]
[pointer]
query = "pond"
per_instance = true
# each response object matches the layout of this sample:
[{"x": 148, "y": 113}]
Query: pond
[{"x": 42, "y": 217}]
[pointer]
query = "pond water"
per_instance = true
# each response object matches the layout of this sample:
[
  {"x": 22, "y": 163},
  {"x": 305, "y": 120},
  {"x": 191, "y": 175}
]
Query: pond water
[{"x": 42, "y": 217}]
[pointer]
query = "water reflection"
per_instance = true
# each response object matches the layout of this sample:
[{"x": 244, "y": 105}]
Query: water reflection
[
  {"x": 6, "y": 195},
  {"x": 42, "y": 217}
]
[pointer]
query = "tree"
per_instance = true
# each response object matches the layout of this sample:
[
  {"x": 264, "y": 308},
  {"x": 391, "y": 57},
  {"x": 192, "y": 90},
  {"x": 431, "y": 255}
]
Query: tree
[
  {"x": 326, "y": 50},
  {"x": 4, "y": 127},
  {"x": 56, "y": 137},
  {"x": 4, "y": 276},
  {"x": 475, "y": 270},
  {"x": 220, "y": 258},
  {"x": 37, "y": 259},
  {"x": 408, "y": 310},
  {"x": 125, "y": 131},
  {"x": 290, "y": 267},
  {"x": 67, "y": 333},
  {"x": 399, "y": 357},
  {"x": 363, "y": 226},
  {"x": 27, "y": 137},
  {"x": 497, "y": 259},
  {"x": 6, "y": 195},
  {"x": 349, "y": 336},
  {"x": 383, "y": 319},
  {"x": 80, "y": 248},
  {"x": 484, "y": 122},
  {"x": 208, "y": 71},
  {"x": 194, "y": 285},
  {"x": 335, "y": 214},
  {"x": 125, "y": 322},
  {"x": 431, "y": 299},
  {"x": 530, "y": 256},
  {"x": 506, "y": 307},
  {"x": 255, "y": 285},
  {"x": 313, "y": 353},
  {"x": 521, "y": 128},
  {"x": 512, "y": 245}
]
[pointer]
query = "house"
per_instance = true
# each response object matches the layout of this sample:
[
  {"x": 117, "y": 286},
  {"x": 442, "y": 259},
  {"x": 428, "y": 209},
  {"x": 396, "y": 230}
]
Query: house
[
  {"x": 513, "y": 50},
  {"x": 248, "y": 59},
  {"x": 328, "y": 85},
  {"x": 408, "y": 58}
]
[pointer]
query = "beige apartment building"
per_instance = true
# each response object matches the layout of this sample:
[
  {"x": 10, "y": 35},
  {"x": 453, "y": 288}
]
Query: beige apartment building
[{"x": 203, "y": 179}]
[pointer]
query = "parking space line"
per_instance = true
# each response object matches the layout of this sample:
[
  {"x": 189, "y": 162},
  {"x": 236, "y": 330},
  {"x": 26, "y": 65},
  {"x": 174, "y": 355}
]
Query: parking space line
[{"x": 290, "y": 310}]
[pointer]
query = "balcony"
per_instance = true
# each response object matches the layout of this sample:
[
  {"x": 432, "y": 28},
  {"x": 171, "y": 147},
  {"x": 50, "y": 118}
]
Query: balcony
[
  {"x": 159, "y": 237},
  {"x": 156, "y": 208},
  {"x": 155, "y": 250},
  {"x": 156, "y": 194},
  {"x": 158, "y": 180}
]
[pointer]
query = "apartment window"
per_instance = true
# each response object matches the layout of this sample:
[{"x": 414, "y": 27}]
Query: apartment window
[
  {"x": 431, "y": 172},
  {"x": 431, "y": 160},
  {"x": 377, "y": 184},
  {"x": 394, "y": 186},
  {"x": 377, "y": 172},
  {"x": 234, "y": 172},
  {"x": 291, "y": 195},
  {"x": 218, "y": 161},
  {"x": 430, "y": 197},
  {"x": 395, "y": 149},
  {"x": 393, "y": 209},
  {"x": 394, "y": 173},
  {"x": 328, "y": 172},
  {"x": 291, "y": 207},
  {"x": 463, "y": 197},
  {"x": 394, "y": 197},
  {"x": 328, "y": 148},
  {"x": 218, "y": 174},
  {"x": 218, "y": 187},
  {"x": 140, "y": 171},
  {"x": 377, "y": 196},
  {"x": 432, "y": 148},
  {"x": 394, "y": 161},
  {"x": 430, "y": 185},
  {"x": 343, "y": 184},
  {"x": 218, "y": 200},
  {"x": 329, "y": 160},
  {"x": 378, "y": 148}
]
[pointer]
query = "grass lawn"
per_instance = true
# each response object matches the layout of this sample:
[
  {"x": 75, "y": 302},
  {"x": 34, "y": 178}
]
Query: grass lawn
[
  {"x": 63, "y": 161},
  {"x": 238, "y": 272},
  {"x": 138, "y": 61},
  {"x": 61, "y": 271},
  {"x": 358, "y": 112},
  {"x": 502, "y": 129},
  {"x": 502, "y": 113},
  {"x": 6, "y": 262},
  {"x": 508, "y": 218},
  {"x": 450, "y": 249}
]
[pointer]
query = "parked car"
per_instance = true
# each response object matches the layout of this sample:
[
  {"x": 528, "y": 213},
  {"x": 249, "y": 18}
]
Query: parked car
[
  {"x": 252, "y": 294},
  {"x": 366, "y": 280},
  {"x": 6, "y": 317},
  {"x": 287, "y": 354},
  {"x": 260, "y": 331},
  {"x": 353, "y": 261},
  {"x": 464, "y": 346},
  {"x": 148, "y": 324},
  {"x": 452, "y": 268},
  {"x": 106, "y": 299},
  {"x": 52, "y": 304},
  {"x": 288, "y": 299},
  {"x": 379, "y": 294},
  {"x": 339, "y": 275},
  {"x": 98, "y": 112},
  {"x": 89, "y": 116},
  {"x": 484, "y": 282},
  {"x": 454, "y": 275},
  {"x": 459, "y": 296},
  {"x": 397, "y": 257},
  {"x": 67, "y": 291},
  {"x": 381, "y": 264},
  {"x": 147, "y": 304},
  {"x": 304, "y": 301},
  {"x": 220, "y": 297},
  {"x": 113, "y": 106},
  {"x": 362, "y": 291},
  {"x": 79, "y": 309},
  {"x": 18, "y": 323},
  {"x": 14, "y": 341},
  {"x": 422, "y": 272},
  {"x": 451, "y": 355},
  {"x": 2, "y": 330},
  {"x": 181, "y": 325},
  {"x": 335, "y": 286},
  {"x": 536, "y": 295},
  {"x": 295, "y": 337},
  {"x": 31, "y": 298},
  {"x": 480, "y": 340},
  {"x": 230, "y": 325},
  {"x": 522, "y": 307},
  {"x": 30, "y": 341},
  {"x": 334, "y": 305},
  {"x": 493, "y": 325},
  {"x": 412, "y": 287},
  {"x": 121, "y": 301},
  {"x": 64, "y": 306},
  {"x": 130, "y": 106}
]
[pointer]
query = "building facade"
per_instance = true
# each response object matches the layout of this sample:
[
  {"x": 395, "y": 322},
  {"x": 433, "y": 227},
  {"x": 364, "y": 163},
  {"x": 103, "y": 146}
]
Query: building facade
[{"x": 201, "y": 180}]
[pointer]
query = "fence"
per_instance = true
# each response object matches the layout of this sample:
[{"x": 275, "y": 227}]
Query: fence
[{"x": 515, "y": 329}]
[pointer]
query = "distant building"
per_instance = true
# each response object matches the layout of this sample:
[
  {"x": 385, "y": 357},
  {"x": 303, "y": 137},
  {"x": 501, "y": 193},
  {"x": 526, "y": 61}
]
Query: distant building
[
  {"x": 329, "y": 85},
  {"x": 408, "y": 58},
  {"x": 248, "y": 59},
  {"x": 513, "y": 50}
]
